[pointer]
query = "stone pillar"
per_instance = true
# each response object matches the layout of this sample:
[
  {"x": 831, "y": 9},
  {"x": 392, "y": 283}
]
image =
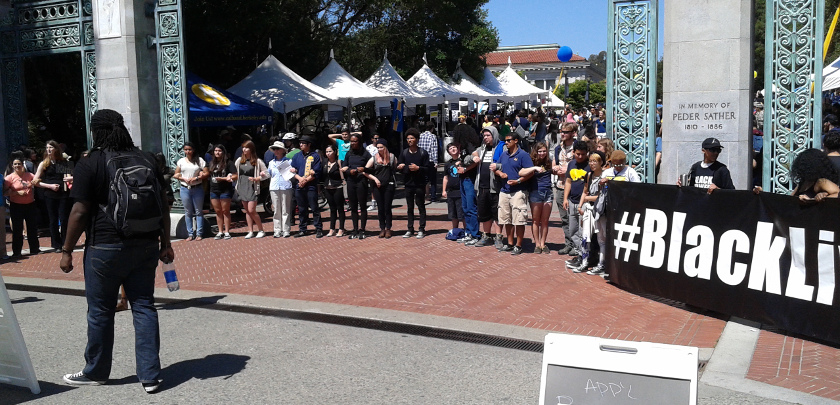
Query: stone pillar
[
  {"x": 126, "y": 68},
  {"x": 707, "y": 85}
]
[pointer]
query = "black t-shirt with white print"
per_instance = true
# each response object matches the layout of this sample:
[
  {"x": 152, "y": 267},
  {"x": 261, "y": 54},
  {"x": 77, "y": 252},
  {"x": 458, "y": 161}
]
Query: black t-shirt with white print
[{"x": 703, "y": 176}]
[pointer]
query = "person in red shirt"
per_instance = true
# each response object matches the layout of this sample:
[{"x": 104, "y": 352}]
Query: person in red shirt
[{"x": 18, "y": 186}]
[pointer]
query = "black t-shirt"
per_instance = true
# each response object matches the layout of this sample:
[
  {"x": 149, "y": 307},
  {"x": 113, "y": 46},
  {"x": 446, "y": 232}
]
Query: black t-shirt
[
  {"x": 836, "y": 161},
  {"x": 717, "y": 173},
  {"x": 354, "y": 160},
  {"x": 90, "y": 183},
  {"x": 419, "y": 158},
  {"x": 466, "y": 161},
  {"x": 484, "y": 168},
  {"x": 577, "y": 172},
  {"x": 222, "y": 171},
  {"x": 451, "y": 171}
]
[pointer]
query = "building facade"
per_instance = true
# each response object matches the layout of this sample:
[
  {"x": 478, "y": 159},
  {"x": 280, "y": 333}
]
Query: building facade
[{"x": 540, "y": 66}]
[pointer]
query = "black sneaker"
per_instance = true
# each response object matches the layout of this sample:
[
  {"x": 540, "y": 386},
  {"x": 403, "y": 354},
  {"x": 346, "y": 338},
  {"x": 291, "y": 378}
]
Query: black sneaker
[
  {"x": 151, "y": 387},
  {"x": 80, "y": 379},
  {"x": 506, "y": 248},
  {"x": 319, "y": 234},
  {"x": 517, "y": 250},
  {"x": 351, "y": 235},
  {"x": 361, "y": 235},
  {"x": 300, "y": 234},
  {"x": 575, "y": 262}
]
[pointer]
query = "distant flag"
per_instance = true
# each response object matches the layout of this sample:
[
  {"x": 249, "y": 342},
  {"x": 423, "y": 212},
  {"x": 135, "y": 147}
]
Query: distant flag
[
  {"x": 424, "y": 59},
  {"x": 397, "y": 115}
]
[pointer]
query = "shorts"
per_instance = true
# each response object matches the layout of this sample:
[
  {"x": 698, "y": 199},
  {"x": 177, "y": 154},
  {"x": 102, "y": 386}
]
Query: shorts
[
  {"x": 224, "y": 195},
  {"x": 513, "y": 209},
  {"x": 541, "y": 196},
  {"x": 453, "y": 204},
  {"x": 488, "y": 205}
]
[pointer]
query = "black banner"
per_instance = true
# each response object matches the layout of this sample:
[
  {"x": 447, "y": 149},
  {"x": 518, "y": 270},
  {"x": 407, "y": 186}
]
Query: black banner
[{"x": 768, "y": 258}]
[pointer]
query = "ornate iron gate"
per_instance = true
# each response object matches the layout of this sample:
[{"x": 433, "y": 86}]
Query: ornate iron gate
[
  {"x": 793, "y": 68},
  {"x": 631, "y": 81},
  {"x": 43, "y": 28}
]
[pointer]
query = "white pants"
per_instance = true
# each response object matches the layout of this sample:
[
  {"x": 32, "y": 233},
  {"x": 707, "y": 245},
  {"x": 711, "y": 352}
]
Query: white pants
[{"x": 283, "y": 210}]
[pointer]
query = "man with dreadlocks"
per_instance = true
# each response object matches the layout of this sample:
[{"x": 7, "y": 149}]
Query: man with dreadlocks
[{"x": 115, "y": 257}]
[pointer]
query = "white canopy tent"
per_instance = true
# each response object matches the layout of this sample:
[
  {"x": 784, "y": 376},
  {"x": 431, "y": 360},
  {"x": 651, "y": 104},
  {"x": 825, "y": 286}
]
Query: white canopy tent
[
  {"x": 470, "y": 86},
  {"x": 388, "y": 81},
  {"x": 831, "y": 76},
  {"x": 518, "y": 88},
  {"x": 342, "y": 85},
  {"x": 425, "y": 81},
  {"x": 275, "y": 85},
  {"x": 492, "y": 85}
]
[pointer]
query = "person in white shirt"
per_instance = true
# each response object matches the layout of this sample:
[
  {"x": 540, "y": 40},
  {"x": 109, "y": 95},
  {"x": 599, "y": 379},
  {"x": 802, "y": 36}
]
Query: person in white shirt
[
  {"x": 191, "y": 170},
  {"x": 619, "y": 171},
  {"x": 281, "y": 191}
]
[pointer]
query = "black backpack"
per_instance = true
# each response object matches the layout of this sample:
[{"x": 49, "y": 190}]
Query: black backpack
[{"x": 134, "y": 202}]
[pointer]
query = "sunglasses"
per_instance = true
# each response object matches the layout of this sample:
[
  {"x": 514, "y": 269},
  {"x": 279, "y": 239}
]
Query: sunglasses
[
  {"x": 509, "y": 140},
  {"x": 714, "y": 150},
  {"x": 568, "y": 132}
]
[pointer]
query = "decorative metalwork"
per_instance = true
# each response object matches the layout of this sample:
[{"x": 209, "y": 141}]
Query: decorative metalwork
[
  {"x": 793, "y": 69},
  {"x": 91, "y": 94},
  {"x": 52, "y": 12},
  {"x": 8, "y": 44},
  {"x": 14, "y": 102},
  {"x": 631, "y": 82},
  {"x": 172, "y": 82},
  {"x": 88, "y": 33},
  {"x": 169, "y": 26},
  {"x": 8, "y": 20},
  {"x": 50, "y": 38},
  {"x": 87, "y": 7}
]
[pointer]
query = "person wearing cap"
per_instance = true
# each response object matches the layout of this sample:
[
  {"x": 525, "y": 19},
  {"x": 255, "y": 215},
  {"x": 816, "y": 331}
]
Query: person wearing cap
[
  {"x": 290, "y": 140},
  {"x": 307, "y": 167},
  {"x": 709, "y": 174},
  {"x": 281, "y": 191},
  {"x": 413, "y": 163},
  {"x": 513, "y": 201}
]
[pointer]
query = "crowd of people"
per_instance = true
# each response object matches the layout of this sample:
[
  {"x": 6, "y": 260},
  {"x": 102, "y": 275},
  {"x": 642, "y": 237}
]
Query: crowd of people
[{"x": 497, "y": 177}]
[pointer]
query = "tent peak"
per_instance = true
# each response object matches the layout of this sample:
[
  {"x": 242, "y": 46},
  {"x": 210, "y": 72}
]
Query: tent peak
[{"x": 332, "y": 54}]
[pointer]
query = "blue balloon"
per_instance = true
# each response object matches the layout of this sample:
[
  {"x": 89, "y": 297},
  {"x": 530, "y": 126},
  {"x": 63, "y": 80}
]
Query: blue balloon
[{"x": 564, "y": 54}]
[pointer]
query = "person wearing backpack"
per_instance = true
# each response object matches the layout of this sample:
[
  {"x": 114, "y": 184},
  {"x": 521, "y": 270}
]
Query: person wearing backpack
[{"x": 119, "y": 200}]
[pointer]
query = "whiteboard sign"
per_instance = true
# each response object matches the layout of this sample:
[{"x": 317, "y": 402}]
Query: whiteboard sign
[
  {"x": 585, "y": 370},
  {"x": 15, "y": 365}
]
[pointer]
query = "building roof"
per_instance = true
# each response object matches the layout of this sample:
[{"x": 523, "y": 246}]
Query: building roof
[{"x": 527, "y": 54}]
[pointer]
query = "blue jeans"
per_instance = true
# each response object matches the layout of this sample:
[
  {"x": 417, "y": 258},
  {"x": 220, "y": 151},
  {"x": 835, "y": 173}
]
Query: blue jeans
[
  {"x": 132, "y": 264},
  {"x": 193, "y": 200},
  {"x": 470, "y": 209},
  {"x": 307, "y": 199}
]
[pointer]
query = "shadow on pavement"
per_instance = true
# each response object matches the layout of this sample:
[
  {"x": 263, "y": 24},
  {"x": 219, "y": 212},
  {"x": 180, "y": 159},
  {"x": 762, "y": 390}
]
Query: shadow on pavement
[
  {"x": 212, "y": 366},
  {"x": 24, "y": 300},
  {"x": 168, "y": 304},
  {"x": 18, "y": 395}
]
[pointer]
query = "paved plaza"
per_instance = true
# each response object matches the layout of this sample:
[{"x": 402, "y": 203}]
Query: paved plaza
[{"x": 439, "y": 283}]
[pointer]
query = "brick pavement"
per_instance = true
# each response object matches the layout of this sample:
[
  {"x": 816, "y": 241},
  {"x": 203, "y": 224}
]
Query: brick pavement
[{"x": 439, "y": 277}]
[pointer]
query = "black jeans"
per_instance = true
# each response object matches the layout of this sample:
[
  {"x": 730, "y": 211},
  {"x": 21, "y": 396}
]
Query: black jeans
[
  {"x": 20, "y": 213},
  {"x": 59, "y": 211},
  {"x": 308, "y": 199},
  {"x": 335, "y": 198},
  {"x": 416, "y": 195},
  {"x": 384, "y": 196},
  {"x": 357, "y": 192},
  {"x": 433, "y": 182}
]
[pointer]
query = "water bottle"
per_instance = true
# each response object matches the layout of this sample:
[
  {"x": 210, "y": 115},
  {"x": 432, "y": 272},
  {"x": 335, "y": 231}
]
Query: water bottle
[{"x": 170, "y": 276}]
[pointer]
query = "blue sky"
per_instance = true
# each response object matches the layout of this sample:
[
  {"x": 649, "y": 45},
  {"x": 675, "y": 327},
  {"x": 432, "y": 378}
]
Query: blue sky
[{"x": 578, "y": 24}]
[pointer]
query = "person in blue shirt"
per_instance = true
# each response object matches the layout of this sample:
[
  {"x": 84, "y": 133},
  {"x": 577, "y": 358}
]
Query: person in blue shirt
[
  {"x": 307, "y": 166},
  {"x": 513, "y": 202}
]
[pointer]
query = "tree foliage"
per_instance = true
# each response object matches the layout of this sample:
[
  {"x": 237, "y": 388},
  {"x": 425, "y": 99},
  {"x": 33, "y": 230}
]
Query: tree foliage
[
  {"x": 226, "y": 39},
  {"x": 577, "y": 93}
]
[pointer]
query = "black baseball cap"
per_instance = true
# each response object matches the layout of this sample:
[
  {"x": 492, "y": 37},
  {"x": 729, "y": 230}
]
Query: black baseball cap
[{"x": 711, "y": 143}]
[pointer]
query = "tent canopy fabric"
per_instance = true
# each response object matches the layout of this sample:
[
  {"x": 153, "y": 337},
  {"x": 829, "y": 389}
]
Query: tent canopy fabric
[
  {"x": 831, "y": 76},
  {"x": 342, "y": 85},
  {"x": 275, "y": 85},
  {"x": 469, "y": 86},
  {"x": 517, "y": 87},
  {"x": 492, "y": 84},
  {"x": 425, "y": 81},
  {"x": 388, "y": 81},
  {"x": 211, "y": 106}
]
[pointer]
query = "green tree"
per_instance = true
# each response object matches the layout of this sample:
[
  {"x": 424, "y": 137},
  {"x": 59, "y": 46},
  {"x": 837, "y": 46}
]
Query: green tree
[
  {"x": 577, "y": 93},
  {"x": 225, "y": 39}
]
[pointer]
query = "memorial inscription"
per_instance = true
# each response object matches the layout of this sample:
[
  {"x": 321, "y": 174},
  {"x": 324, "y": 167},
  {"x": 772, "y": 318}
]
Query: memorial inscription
[{"x": 713, "y": 116}]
